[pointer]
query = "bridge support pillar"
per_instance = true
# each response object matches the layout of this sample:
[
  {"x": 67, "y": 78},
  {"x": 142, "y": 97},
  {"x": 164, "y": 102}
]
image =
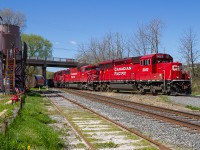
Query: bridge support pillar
[{"x": 44, "y": 69}]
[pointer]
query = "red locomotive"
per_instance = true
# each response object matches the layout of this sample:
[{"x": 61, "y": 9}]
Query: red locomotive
[
  {"x": 58, "y": 78},
  {"x": 150, "y": 73}
]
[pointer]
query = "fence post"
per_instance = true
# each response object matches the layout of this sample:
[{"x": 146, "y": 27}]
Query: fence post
[
  {"x": 20, "y": 107},
  {"x": 5, "y": 127}
]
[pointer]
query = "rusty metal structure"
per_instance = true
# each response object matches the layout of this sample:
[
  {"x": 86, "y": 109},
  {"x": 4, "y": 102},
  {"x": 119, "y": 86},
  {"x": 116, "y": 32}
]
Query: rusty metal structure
[{"x": 12, "y": 59}]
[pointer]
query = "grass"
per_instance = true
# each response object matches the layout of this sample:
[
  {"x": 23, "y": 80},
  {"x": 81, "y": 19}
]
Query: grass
[
  {"x": 165, "y": 99},
  {"x": 147, "y": 148},
  {"x": 30, "y": 128},
  {"x": 106, "y": 145},
  {"x": 3, "y": 106},
  {"x": 142, "y": 143},
  {"x": 129, "y": 135},
  {"x": 196, "y": 86},
  {"x": 79, "y": 145},
  {"x": 193, "y": 107}
]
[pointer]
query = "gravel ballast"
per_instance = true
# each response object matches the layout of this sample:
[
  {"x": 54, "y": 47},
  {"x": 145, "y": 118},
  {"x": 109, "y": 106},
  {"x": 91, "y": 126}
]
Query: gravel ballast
[{"x": 186, "y": 100}]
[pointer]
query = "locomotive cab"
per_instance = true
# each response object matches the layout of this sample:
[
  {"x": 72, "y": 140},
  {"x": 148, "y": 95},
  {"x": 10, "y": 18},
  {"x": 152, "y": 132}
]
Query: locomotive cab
[
  {"x": 90, "y": 73},
  {"x": 158, "y": 73}
]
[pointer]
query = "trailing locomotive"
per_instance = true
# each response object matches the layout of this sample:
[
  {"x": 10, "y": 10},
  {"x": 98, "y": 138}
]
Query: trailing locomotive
[{"x": 155, "y": 73}]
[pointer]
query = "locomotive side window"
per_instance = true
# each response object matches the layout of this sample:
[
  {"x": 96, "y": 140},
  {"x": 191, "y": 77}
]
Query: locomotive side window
[
  {"x": 148, "y": 62},
  {"x": 145, "y": 62}
]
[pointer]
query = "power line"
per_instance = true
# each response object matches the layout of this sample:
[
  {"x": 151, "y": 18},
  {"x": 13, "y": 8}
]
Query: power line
[{"x": 65, "y": 49}]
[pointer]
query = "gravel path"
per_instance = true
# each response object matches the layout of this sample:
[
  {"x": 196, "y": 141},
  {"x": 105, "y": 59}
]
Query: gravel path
[
  {"x": 165, "y": 133},
  {"x": 186, "y": 100}
]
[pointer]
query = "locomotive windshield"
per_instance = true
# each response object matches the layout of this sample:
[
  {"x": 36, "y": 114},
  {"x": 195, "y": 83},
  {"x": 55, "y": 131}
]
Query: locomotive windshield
[
  {"x": 91, "y": 68},
  {"x": 161, "y": 60}
]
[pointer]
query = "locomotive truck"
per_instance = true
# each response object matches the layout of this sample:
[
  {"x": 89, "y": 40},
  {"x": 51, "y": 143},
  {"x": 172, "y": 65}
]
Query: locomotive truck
[{"x": 154, "y": 73}]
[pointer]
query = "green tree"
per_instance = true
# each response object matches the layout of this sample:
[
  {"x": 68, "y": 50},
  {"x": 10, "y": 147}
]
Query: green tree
[{"x": 37, "y": 45}]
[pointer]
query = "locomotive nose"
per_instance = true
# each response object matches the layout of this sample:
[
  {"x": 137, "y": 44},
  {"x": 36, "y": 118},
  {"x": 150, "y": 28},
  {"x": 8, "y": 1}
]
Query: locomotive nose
[{"x": 176, "y": 71}]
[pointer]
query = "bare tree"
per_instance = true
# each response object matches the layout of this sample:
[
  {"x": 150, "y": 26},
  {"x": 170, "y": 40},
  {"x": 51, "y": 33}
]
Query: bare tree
[
  {"x": 147, "y": 37},
  {"x": 128, "y": 47},
  {"x": 120, "y": 45},
  {"x": 13, "y": 18},
  {"x": 83, "y": 55},
  {"x": 112, "y": 46},
  {"x": 188, "y": 49},
  {"x": 155, "y": 29},
  {"x": 141, "y": 41}
]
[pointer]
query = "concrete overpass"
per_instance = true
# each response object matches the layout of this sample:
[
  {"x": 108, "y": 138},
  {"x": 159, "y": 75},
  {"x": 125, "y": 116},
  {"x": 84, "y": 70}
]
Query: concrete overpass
[{"x": 51, "y": 62}]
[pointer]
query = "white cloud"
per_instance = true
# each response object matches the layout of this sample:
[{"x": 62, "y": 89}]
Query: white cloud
[{"x": 73, "y": 42}]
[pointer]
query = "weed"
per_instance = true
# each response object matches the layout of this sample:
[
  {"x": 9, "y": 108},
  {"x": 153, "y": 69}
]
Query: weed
[
  {"x": 141, "y": 143},
  {"x": 79, "y": 145},
  {"x": 165, "y": 99},
  {"x": 147, "y": 148},
  {"x": 193, "y": 107},
  {"x": 109, "y": 144}
]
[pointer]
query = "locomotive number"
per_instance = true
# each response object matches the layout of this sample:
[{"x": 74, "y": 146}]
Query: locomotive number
[{"x": 145, "y": 69}]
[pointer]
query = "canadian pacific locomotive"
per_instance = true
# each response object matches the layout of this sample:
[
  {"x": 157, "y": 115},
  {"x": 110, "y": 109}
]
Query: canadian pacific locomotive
[{"x": 155, "y": 73}]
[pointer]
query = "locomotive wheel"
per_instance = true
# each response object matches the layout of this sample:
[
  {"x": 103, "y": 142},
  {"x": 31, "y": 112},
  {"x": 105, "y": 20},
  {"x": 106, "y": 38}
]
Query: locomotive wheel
[
  {"x": 168, "y": 93},
  {"x": 142, "y": 91},
  {"x": 101, "y": 88},
  {"x": 153, "y": 91}
]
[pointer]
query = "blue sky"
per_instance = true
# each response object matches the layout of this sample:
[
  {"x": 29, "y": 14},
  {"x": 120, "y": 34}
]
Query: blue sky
[{"x": 68, "y": 23}]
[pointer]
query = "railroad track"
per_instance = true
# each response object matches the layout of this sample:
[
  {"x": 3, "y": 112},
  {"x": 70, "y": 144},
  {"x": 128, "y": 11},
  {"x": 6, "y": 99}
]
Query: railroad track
[
  {"x": 178, "y": 95},
  {"x": 89, "y": 145},
  {"x": 184, "y": 119}
]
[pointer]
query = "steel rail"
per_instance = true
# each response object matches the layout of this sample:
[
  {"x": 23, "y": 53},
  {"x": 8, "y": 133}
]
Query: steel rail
[{"x": 160, "y": 117}]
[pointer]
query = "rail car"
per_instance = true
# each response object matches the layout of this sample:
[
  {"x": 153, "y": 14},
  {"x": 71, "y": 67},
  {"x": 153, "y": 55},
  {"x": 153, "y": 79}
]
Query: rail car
[
  {"x": 154, "y": 73},
  {"x": 35, "y": 81}
]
